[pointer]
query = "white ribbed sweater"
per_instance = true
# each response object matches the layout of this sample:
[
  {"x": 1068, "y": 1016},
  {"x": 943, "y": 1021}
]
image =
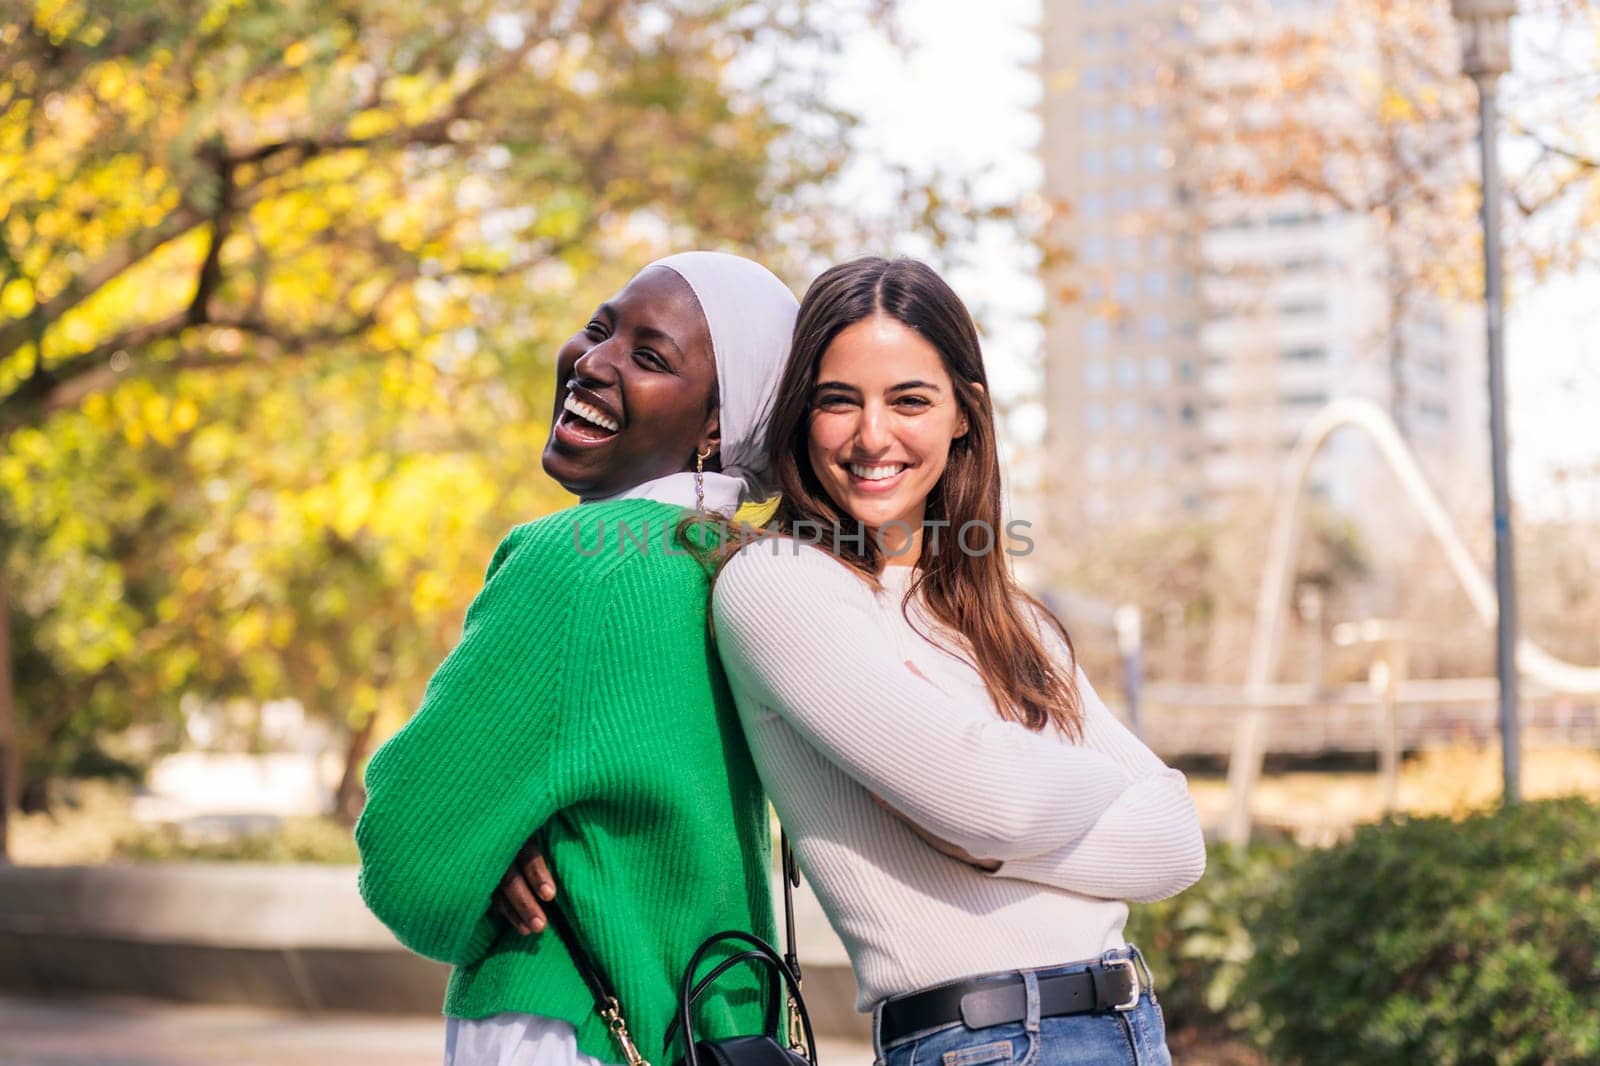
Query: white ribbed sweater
[{"x": 817, "y": 662}]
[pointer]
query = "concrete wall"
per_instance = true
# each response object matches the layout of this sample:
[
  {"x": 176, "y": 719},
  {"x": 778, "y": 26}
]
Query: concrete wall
[{"x": 270, "y": 935}]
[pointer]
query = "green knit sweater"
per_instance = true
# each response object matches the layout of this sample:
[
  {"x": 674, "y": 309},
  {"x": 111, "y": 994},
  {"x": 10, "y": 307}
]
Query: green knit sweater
[{"x": 585, "y": 701}]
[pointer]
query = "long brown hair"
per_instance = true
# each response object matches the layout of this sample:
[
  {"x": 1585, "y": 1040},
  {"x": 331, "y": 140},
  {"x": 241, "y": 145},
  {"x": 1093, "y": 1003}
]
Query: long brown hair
[{"x": 971, "y": 595}]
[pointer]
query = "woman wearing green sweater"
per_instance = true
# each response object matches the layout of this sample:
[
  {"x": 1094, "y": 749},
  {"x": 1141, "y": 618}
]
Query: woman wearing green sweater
[{"x": 584, "y": 705}]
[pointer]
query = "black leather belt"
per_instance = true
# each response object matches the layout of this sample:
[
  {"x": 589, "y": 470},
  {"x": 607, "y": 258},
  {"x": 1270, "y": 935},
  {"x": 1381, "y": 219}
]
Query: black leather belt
[{"x": 981, "y": 1002}]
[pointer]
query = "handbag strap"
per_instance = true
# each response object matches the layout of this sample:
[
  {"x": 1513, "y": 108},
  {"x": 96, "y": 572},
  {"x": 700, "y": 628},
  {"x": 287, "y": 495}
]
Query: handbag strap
[
  {"x": 791, "y": 881},
  {"x": 606, "y": 1003}
]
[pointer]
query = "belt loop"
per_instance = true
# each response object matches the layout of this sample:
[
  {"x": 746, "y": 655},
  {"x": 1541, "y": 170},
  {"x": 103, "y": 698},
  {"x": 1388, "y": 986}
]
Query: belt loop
[
  {"x": 1030, "y": 981},
  {"x": 1144, "y": 964}
]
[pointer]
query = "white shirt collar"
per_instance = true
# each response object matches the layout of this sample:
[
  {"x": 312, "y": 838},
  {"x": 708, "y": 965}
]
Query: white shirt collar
[{"x": 722, "y": 492}]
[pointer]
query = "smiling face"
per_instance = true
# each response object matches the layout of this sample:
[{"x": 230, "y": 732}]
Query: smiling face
[
  {"x": 883, "y": 415},
  {"x": 635, "y": 390}
]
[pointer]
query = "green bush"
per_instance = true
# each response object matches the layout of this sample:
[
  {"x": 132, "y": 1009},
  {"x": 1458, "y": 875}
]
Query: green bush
[
  {"x": 1199, "y": 942},
  {"x": 1428, "y": 940}
]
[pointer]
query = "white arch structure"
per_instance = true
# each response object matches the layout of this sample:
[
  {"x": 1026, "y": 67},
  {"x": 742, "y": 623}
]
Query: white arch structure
[{"x": 1272, "y": 600}]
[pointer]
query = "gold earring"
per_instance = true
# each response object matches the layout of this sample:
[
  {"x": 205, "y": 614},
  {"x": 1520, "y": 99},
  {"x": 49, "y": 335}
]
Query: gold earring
[{"x": 700, "y": 479}]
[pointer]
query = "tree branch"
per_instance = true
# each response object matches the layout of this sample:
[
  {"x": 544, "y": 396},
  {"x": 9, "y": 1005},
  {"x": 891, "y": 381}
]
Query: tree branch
[
  {"x": 221, "y": 225},
  {"x": 181, "y": 220},
  {"x": 68, "y": 382}
]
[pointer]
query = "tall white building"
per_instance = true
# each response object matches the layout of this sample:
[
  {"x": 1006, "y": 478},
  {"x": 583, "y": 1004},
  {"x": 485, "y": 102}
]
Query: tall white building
[{"x": 1193, "y": 330}]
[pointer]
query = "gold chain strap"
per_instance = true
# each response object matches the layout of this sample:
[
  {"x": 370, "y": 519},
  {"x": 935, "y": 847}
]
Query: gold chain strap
[
  {"x": 797, "y": 1029},
  {"x": 619, "y": 1029}
]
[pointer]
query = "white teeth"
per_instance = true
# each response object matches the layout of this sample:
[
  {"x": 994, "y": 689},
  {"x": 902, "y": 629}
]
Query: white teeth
[
  {"x": 876, "y": 473},
  {"x": 589, "y": 414}
]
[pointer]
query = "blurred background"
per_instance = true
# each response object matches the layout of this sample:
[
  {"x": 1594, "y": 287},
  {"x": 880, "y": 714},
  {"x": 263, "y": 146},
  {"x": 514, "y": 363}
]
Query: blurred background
[{"x": 281, "y": 285}]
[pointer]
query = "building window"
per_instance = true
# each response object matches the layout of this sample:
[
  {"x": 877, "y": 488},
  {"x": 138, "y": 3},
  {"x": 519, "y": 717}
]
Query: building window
[
  {"x": 1155, "y": 327},
  {"x": 1122, "y": 197},
  {"x": 1187, "y": 413},
  {"x": 1312, "y": 398},
  {"x": 1156, "y": 370},
  {"x": 1128, "y": 415},
  {"x": 1095, "y": 377},
  {"x": 1092, "y": 120},
  {"x": 1127, "y": 287},
  {"x": 1301, "y": 264},
  {"x": 1127, "y": 372},
  {"x": 1094, "y": 418},
  {"x": 1093, "y": 162},
  {"x": 1186, "y": 371},
  {"x": 1289, "y": 219},
  {"x": 1093, "y": 248},
  {"x": 1127, "y": 248},
  {"x": 1155, "y": 284},
  {"x": 1305, "y": 354},
  {"x": 1096, "y": 332},
  {"x": 1158, "y": 157},
  {"x": 1093, "y": 204}
]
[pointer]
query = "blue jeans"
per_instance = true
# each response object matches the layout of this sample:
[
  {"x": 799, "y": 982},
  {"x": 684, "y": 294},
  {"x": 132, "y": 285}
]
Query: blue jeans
[{"x": 1136, "y": 1037}]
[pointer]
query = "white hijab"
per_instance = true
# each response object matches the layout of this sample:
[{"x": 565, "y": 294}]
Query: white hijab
[{"x": 750, "y": 314}]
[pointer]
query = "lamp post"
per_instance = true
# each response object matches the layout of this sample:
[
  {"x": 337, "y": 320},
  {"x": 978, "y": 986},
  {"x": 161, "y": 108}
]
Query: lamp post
[{"x": 1486, "y": 54}]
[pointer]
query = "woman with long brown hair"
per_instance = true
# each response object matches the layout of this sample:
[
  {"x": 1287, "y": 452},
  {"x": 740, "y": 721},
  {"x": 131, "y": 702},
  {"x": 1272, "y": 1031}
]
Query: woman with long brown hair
[{"x": 970, "y": 814}]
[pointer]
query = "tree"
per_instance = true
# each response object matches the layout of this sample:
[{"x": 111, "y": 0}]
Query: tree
[
  {"x": 1368, "y": 118},
  {"x": 275, "y": 277},
  {"x": 1369, "y": 115}
]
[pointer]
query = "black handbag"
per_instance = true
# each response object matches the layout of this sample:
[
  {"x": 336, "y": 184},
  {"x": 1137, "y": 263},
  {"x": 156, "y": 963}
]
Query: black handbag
[{"x": 783, "y": 974}]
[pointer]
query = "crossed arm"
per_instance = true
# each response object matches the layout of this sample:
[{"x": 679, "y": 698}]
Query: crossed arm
[{"x": 1102, "y": 817}]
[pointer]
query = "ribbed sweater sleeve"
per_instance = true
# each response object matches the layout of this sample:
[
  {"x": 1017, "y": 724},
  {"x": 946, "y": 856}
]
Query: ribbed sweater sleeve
[
  {"x": 455, "y": 793},
  {"x": 799, "y": 630},
  {"x": 1145, "y": 846}
]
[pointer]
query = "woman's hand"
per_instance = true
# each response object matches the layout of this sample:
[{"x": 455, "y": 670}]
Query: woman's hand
[{"x": 524, "y": 885}]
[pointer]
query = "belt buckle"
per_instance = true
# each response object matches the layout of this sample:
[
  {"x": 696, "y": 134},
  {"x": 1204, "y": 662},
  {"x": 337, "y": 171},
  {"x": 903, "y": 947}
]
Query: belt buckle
[{"x": 1133, "y": 975}]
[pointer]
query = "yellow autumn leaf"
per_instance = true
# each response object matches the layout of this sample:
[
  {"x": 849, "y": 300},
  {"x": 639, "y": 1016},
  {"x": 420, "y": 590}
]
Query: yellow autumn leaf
[
  {"x": 371, "y": 123},
  {"x": 350, "y": 513},
  {"x": 16, "y": 299},
  {"x": 248, "y": 628},
  {"x": 1396, "y": 106},
  {"x": 185, "y": 413},
  {"x": 429, "y": 593}
]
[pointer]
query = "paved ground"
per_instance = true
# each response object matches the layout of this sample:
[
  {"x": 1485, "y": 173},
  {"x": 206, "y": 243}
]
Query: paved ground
[{"x": 138, "y": 1033}]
